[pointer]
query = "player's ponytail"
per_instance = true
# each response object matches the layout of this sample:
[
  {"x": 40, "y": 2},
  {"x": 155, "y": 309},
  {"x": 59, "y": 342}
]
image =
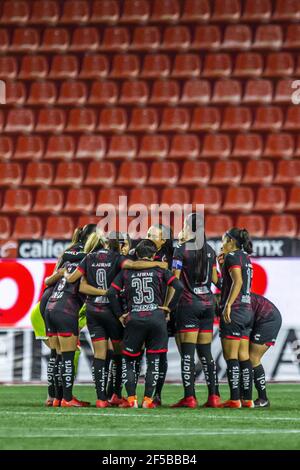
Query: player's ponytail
[
  {"x": 86, "y": 232},
  {"x": 95, "y": 242},
  {"x": 241, "y": 238},
  {"x": 195, "y": 223}
]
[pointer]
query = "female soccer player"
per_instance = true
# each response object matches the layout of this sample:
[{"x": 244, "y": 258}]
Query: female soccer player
[
  {"x": 194, "y": 263},
  {"x": 236, "y": 316}
]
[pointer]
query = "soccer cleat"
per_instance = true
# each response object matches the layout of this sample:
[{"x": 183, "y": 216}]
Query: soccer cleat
[
  {"x": 102, "y": 404},
  {"x": 49, "y": 402},
  {"x": 231, "y": 404},
  {"x": 247, "y": 403},
  {"x": 84, "y": 403},
  {"x": 157, "y": 401},
  {"x": 188, "y": 402},
  {"x": 115, "y": 400},
  {"x": 131, "y": 402},
  {"x": 56, "y": 403},
  {"x": 261, "y": 403},
  {"x": 213, "y": 401},
  {"x": 148, "y": 403},
  {"x": 74, "y": 403}
]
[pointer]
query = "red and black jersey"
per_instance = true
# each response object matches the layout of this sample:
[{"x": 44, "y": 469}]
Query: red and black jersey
[
  {"x": 73, "y": 254},
  {"x": 100, "y": 268},
  {"x": 237, "y": 259},
  {"x": 145, "y": 289},
  {"x": 184, "y": 259},
  {"x": 262, "y": 308},
  {"x": 63, "y": 288}
]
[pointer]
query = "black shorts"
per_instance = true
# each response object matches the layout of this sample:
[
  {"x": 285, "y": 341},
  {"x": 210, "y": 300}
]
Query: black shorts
[
  {"x": 240, "y": 325},
  {"x": 265, "y": 330},
  {"x": 61, "y": 317},
  {"x": 145, "y": 327},
  {"x": 44, "y": 300},
  {"x": 198, "y": 316},
  {"x": 102, "y": 323}
]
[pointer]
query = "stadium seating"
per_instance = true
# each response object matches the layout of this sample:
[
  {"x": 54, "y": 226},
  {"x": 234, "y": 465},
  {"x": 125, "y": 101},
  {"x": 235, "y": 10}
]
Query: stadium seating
[
  {"x": 48, "y": 201},
  {"x": 59, "y": 227},
  {"x": 27, "y": 228}
]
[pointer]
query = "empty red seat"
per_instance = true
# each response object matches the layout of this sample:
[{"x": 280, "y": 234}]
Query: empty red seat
[
  {"x": 64, "y": 66},
  {"x": 287, "y": 10},
  {"x": 176, "y": 38},
  {"x": 292, "y": 118},
  {"x": 226, "y": 10},
  {"x": 29, "y": 147},
  {"x": 259, "y": 172},
  {"x": 227, "y": 91},
  {"x": 25, "y": 39},
  {"x": 165, "y": 11},
  {"x": 164, "y": 173},
  {"x": 248, "y": 64},
  {"x": 5, "y": 227},
  {"x": 268, "y": 118},
  {"x": 115, "y": 39},
  {"x": 55, "y": 40},
  {"x": 69, "y": 174},
  {"x": 257, "y": 10},
  {"x": 186, "y": 66},
  {"x": 15, "y": 12},
  {"x": 111, "y": 196},
  {"x": 239, "y": 200},
  {"x": 132, "y": 174},
  {"x": 100, "y": 174},
  {"x": 122, "y": 146},
  {"x": 237, "y": 37},
  {"x": 288, "y": 172},
  {"x": 156, "y": 66},
  {"x": 80, "y": 200},
  {"x": 51, "y": 120},
  {"x": 283, "y": 91},
  {"x": 292, "y": 39},
  {"x": 195, "y": 173},
  {"x": 217, "y": 225},
  {"x": 135, "y": 11},
  {"x": 134, "y": 92},
  {"x": 81, "y": 120},
  {"x": 60, "y": 146},
  {"x": 175, "y": 120},
  {"x": 48, "y": 201},
  {"x": 72, "y": 93},
  {"x": 6, "y": 147},
  {"x": 94, "y": 66},
  {"x": 279, "y": 146},
  {"x": 154, "y": 146},
  {"x": 17, "y": 200},
  {"x": 145, "y": 196},
  {"x": 268, "y": 37},
  {"x": 104, "y": 92},
  {"x": 46, "y": 12},
  {"x": 185, "y": 146},
  {"x": 294, "y": 199},
  {"x": 165, "y": 92},
  {"x": 10, "y": 174},
  {"x": 91, "y": 146},
  {"x": 227, "y": 172},
  {"x": 38, "y": 174},
  {"x": 255, "y": 224},
  {"x": 19, "y": 120},
  {"x": 8, "y": 67},
  {"x": 284, "y": 225},
  {"x": 125, "y": 66},
  {"x": 144, "y": 120},
  {"x": 87, "y": 219},
  {"x": 42, "y": 93},
  {"x": 27, "y": 228},
  {"x": 146, "y": 38},
  {"x": 248, "y": 145},
  {"x": 211, "y": 198},
  {"x": 196, "y": 92},
  {"x": 113, "y": 120},
  {"x": 206, "y": 119},
  {"x": 207, "y": 37},
  {"x": 105, "y": 11},
  {"x": 216, "y": 146},
  {"x": 85, "y": 39},
  {"x": 75, "y": 11},
  {"x": 217, "y": 65},
  {"x": 279, "y": 64},
  {"x": 271, "y": 199},
  {"x": 32, "y": 67},
  {"x": 257, "y": 91},
  {"x": 237, "y": 118},
  {"x": 59, "y": 228},
  {"x": 179, "y": 196},
  {"x": 15, "y": 93},
  {"x": 196, "y": 11}
]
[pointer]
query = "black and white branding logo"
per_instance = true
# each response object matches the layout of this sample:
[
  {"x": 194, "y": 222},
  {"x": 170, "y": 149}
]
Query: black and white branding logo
[{"x": 38, "y": 249}]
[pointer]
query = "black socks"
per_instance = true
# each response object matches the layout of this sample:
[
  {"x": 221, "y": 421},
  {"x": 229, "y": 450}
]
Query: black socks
[
  {"x": 209, "y": 368},
  {"x": 51, "y": 373},
  {"x": 99, "y": 373},
  {"x": 152, "y": 374},
  {"x": 188, "y": 368},
  {"x": 68, "y": 374},
  {"x": 260, "y": 381},
  {"x": 233, "y": 375},
  {"x": 58, "y": 386},
  {"x": 246, "y": 379},
  {"x": 163, "y": 368}
]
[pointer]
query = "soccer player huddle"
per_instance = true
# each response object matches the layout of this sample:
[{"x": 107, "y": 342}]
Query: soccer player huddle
[{"x": 133, "y": 299}]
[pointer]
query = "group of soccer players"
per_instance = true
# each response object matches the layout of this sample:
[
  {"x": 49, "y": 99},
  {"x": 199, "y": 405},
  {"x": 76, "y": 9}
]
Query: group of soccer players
[{"x": 133, "y": 299}]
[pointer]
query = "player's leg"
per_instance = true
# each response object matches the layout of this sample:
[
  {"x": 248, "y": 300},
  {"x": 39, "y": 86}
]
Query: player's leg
[
  {"x": 115, "y": 331},
  {"x": 231, "y": 353},
  {"x": 256, "y": 353},
  {"x": 246, "y": 371},
  {"x": 99, "y": 370},
  {"x": 203, "y": 348}
]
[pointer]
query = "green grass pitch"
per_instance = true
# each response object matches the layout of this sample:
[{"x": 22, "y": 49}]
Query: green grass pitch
[{"x": 27, "y": 424}]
